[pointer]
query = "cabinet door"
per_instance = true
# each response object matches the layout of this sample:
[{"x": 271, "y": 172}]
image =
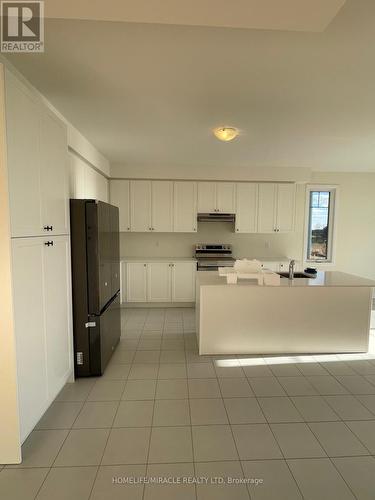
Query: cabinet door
[
  {"x": 140, "y": 206},
  {"x": 247, "y": 208},
  {"x": 57, "y": 312},
  {"x": 136, "y": 274},
  {"x": 267, "y": 208},
  {"x": 54, "y": 173},
  {"x": 225, "y": 197},
  {"x": 22, "y": 130},
  {"x": 285, "y": 207},
  {"x": 206, "y": 197},
  {"x": 185, "y": 207},
  {"x": 183, "y": 281},
  {"x": 27, "y": 272},
  {"x": 162, "y": 206},
  {"x": 119, "y": 195},
  {"x": 159, "y": 282}
]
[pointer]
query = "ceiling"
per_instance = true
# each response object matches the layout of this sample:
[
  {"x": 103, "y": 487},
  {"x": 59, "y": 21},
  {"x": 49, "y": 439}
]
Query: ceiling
[
  {"x": 293, "y": 15},
  {"x": 149, "y": 94}
]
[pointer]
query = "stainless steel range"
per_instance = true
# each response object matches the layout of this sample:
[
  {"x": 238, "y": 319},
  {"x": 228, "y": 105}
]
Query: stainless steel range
[{"x": 211, "y": 257}]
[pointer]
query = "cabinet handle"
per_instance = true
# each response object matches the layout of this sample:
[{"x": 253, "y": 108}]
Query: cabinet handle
[
  {"x": 48, "y": 243},
  {"x": 237, "y": 229},
  {"x": 48, "y": 228},
  {"x": 144, "y": 265}
]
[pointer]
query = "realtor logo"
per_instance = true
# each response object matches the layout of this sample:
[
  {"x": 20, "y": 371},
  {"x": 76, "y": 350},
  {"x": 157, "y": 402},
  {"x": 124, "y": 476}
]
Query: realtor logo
[{"x": 22, "y": 26}]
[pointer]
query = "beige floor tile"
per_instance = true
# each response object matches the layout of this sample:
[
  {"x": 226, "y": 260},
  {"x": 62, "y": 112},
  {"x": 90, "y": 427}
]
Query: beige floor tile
[
  {"x": 368, "y": 400},
  {"x": 278, "y": 482},
  {"x": 68, "y": 483},
  {"x": 170, "y": 444},
  {"x": 207, "y": 411},
  {"x": 139, "y": 390},
  {"x": 235, "y": 388},
  {"x": 338, "y": 368},
  {"x": 204, "y": 388},
  {"x": 171, "y": 412},
  {"x": 297, "y": 441},
  {"x": 82, "y": 447},
  {"x": 261, "y": 370},
  {"x": 229, "y": 371},
  {"x": 311, "y": 369},
  {"x": 147, "y": 357},
  {"x": 172, "y": 357},
  {"x": 77, "y": 391},
  {"x": 60, "y": 415},
  {"x": 170, "y": 344},
  {"x": 349, "y": 408},
  {"x": 255, "y": 441},
  {"x": 107, "y": 390},
  {"x": 213, "y": 443},
  {"x": 365, "y": 432},
  {"x": 116, "y": 372},
  {"x": 326, "y": 385},
  {"x": 171, "y": 389},
  {"x": 96, "y": 415},
  {"x": 356, "y": 384},
  {"x": 279, "y": 409},
  {"x": 359, "y": 474},
  {"x": 134, "y": 414},
  {"x": 127, "y": 446},
  {"x": 200, "y": 370},
  {"x": 119, "y": 482},
  {"x": 314, "y": 409},
  {"x": 297, "y": 386},
  {"x": 230, "y": 472},
  {"x": 144, "y": 371},
  {"x": 149, "y": 344},
  {"x": 337, "y": 439},
  {"x": 172, "y": 371},
  {"x": 285, "y": 370},
  {"x": 244, "y": 411},
  {"x": 192, "y": 356},
  {"x": 170, "y": 491},
  {"x": 266, "y": 386},
  {"x": 21, "y": 484},
  {"x": 318, "y": 479},
  {"x": 41, "y": 448}
]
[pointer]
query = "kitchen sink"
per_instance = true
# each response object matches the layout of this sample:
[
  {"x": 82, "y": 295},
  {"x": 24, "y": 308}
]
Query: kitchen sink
[{"x": 296, "y": 275}]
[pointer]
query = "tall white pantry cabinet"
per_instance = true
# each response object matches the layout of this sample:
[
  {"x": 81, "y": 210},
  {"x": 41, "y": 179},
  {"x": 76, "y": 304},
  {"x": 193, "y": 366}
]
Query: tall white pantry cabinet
[{"x": 37, "y": 168}]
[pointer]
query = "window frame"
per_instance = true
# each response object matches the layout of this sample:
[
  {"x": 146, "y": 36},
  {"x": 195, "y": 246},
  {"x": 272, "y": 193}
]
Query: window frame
[{"x": 331, "y": 253}]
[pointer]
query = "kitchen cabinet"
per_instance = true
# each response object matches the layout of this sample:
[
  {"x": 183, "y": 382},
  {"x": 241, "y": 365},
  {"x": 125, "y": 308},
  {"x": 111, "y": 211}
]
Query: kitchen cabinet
[
  {"x": 140, "y": 206},
  {"x": 276, "y": 205},
  {"x": 37, "y": 156},
  {"x": 183, "y": 281},
  {"x": 216, "y": 197},
  {"x": 159, "y": 282},
  {"x": 136, "y": 282},
  {"x": 185, "y": 207},
  {"x": 162, "y": 206},
  {"x": 120, "y": 197},
  {"x": 42, "y": 312},
  {"x": 247, "y": 207}
]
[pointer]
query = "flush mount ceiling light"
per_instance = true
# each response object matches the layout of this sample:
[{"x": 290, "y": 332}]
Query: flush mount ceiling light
[{"x": 226, "y": 134}]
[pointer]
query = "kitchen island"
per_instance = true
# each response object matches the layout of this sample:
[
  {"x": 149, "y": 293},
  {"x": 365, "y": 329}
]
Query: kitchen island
[{"x": 326, "y": 314}]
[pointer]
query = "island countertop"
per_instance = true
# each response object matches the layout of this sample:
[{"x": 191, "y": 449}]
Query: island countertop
[{"x": 323, "y": 279}]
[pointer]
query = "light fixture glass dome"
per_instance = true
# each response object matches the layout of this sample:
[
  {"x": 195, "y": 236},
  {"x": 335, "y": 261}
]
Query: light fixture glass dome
[{"x": 226, "y": 134}]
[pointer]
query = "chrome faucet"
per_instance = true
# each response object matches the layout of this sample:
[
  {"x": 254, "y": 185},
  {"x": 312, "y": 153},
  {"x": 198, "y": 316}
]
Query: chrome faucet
[{"x": 292, "y": 263}]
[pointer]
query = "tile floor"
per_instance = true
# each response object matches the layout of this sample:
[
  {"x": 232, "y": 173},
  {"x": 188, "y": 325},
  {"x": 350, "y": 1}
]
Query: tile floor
[{"x": 302, "y": 427}]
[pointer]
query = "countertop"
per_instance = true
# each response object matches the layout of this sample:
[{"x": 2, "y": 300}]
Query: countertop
[
  {"x": 157, "y": 259},
  {"x": 323, "y": 278}
]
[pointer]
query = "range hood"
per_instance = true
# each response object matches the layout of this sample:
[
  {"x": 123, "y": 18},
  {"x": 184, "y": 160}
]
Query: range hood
[{"x": 216, "y": 217}]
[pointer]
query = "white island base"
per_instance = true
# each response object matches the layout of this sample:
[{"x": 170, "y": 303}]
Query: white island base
[{"x": 328, "y": 314}]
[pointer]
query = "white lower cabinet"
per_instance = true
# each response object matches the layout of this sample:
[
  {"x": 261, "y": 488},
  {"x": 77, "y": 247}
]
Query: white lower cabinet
[
  {"x": 159, "y": 282},
  {"x": 42, "y": 312}
]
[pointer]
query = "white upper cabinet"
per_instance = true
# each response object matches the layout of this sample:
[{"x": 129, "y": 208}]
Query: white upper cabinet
[
  {"x": 54, "y": 173},
  {"x": 136, "y": 282},
  {"x": 183, "y": 281},
  {"x": 226, "y": 197},
  {"x": 159, "y": 282},
  {"x": 206, "y": 197},
  {"x": 120, "y": 197},
  {"x": 37, "y": 156},
  {"x": 162, "y": 206},
  {"x": 286, "y": 194},
  {"x": 247, "y": 207},
  {"x": 216, "y": 197},
  {"x": 267, "y": 208},
  {"x": 140, "y": 206},
  {"x": 185, "y": 207}
]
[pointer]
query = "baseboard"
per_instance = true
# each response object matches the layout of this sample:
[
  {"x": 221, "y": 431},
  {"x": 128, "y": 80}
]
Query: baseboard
[{"x": 148, "y": 305}]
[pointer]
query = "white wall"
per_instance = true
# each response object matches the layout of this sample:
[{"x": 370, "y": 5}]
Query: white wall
[{"x": 85, "y": 181}]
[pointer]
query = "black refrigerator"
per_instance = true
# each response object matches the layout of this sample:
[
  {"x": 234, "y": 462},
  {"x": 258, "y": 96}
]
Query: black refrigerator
[{"x": 96, "y": 284}]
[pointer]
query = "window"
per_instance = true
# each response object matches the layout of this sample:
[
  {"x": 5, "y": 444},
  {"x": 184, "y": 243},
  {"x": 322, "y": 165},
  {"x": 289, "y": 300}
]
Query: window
[{"x": 320, "y": 223}]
